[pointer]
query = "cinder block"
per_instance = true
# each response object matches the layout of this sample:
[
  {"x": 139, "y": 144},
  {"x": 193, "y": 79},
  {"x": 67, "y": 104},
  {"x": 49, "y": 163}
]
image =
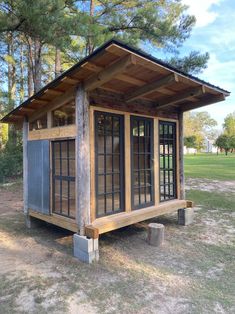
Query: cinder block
[
  {"x": 185, "y": 216},
  {"x": 95, "y": 244},
  {"x": 155, "y": 234},
  {"x": 86, "y": 257},
  {"x": 83, "y": 243},
  {"x": 86, "y": 250}
]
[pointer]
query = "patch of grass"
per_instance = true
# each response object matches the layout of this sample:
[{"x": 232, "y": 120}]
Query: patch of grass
[
  {"x": 215, "y": 200},
  {"x": 210, "y": 166}
]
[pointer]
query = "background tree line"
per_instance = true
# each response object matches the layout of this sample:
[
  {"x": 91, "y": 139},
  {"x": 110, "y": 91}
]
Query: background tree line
[{"x": 40, "y": 39}]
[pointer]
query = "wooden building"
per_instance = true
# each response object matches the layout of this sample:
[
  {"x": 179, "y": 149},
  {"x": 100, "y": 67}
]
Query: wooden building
[{"x": 103, "y": 142}]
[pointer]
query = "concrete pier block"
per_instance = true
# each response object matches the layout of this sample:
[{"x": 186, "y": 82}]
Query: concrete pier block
[
  {"x": 185, "y": 216},
  {"x": 155, "y": 234},
  {"x": 85, "y": 249}
]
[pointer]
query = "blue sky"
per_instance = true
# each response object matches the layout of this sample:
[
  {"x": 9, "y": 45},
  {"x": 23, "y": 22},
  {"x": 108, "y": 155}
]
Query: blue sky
[{"x": 215, "y": 33}]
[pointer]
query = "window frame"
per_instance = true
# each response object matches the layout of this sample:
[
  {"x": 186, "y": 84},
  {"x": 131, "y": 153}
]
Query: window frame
[
  {"x": 152, "y": 201},
  {"x": 168, "y": 197},
  {"x": 61, "y": 178},
  {"x": 97, "y": 113}
]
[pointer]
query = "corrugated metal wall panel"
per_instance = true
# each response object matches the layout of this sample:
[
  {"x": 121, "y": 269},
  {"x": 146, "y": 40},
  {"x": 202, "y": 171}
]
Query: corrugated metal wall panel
[{"x": 39, "y": 176}]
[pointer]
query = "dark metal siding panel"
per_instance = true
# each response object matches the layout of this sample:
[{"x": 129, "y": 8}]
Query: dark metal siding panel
[{"x": 39, "y": 176}]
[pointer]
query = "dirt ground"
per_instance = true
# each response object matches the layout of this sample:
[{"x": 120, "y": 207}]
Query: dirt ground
[{"x": 192, "y": 273}]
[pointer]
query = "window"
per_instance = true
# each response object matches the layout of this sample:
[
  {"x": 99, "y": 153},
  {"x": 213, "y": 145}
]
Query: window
[
  {"x": 64, "y": 115},
  {"x": 109, "y": 163},
  {"x": 142, "y": 156},
  {"x": 63, "y": 176},
  {"x": 167, "y": 141},
  {"x": 38, "y": 124}
]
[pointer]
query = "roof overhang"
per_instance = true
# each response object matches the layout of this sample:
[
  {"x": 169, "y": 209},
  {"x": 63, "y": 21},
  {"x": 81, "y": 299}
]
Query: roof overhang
[{"x": 129, "y": 73}]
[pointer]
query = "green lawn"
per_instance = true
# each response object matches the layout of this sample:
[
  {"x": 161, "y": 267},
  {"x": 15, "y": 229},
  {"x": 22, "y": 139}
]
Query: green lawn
[{"x": 210, "y": 166}]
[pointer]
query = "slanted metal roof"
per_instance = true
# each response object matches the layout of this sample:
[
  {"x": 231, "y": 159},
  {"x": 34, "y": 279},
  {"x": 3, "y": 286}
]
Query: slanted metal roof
[{"x": 124, "y": 70}]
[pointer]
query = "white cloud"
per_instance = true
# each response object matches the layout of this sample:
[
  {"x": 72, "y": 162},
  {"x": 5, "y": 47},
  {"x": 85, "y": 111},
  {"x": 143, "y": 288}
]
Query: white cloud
[
  {"x": 201, "y": 10},
  {"x": 221, "y": 73}
]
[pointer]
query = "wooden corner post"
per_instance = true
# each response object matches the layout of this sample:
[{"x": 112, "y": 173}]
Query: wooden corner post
[
  {"x": 181, "y": 155},
  {"x": 25, "y": 164},
  {"x": 82, "y": 148}
]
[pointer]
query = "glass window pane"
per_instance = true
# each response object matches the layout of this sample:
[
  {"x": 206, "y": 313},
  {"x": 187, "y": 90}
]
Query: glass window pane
[
  {"x": 109, "y": 183},
  {"x": 101, "y": 164},
  {"x": 72, "y": 198},
  {"x": 101, "y": 181},
  {"x": 109, "y": 203},
  {"x": 116, "y": 201},
  {"x": 64, "y": 115},
  {"x": 167, "y": 160},
  {"x": 101, "y": 205},
  {"x": 111, "y": 163},
  {"x": 40, "y": 123}
]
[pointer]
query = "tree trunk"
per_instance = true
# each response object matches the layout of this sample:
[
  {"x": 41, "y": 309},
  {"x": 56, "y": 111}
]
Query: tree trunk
[
  {"x": 57, "y": 62},
  {"x": 21, "y": 72},
  {"x": 37, "y": 73},
  {"x": 11, "y": 84},
  {"x": 30, "y": 67},
  {"x": 90, "y": 44}
]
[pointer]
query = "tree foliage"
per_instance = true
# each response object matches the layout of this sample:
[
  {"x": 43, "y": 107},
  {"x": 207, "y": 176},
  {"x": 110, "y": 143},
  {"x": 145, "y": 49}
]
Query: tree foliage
[
  {"x": 226, "y": 141},
  {"x": 198, "y": 126},
  {"x": 40, "y": 39}
]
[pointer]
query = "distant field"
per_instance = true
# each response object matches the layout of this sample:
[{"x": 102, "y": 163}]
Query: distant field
[{"x": 210, "y": 166}]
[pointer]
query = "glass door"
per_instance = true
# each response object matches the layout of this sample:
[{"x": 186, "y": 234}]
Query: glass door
[
  {"x": 109, "y": 161},
  {"x": 142, "y": 162},
  {"x": 167, "y": 142}
]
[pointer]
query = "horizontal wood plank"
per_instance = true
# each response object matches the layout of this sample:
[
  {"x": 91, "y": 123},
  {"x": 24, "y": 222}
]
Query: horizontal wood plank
[
  {"x": 57, "y": 132},
  {"x": 63, "y": 222},
  {"x": 112, "y": 222}
]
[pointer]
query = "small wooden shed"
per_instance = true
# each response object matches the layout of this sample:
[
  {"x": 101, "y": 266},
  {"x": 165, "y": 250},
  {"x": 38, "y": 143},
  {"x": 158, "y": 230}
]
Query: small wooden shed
[{"x": 103, "y": 142}]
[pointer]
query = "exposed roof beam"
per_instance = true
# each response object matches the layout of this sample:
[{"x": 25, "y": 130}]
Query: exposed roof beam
[
  {"x": 40, "y": 101},
  {"x": 25, "y": 109},
  {"x": 108, "y": 73},
  {"x": 69, "y": 80},
  {"x": 149, "y": 88},
  {"x": 204, "y": 102},
  {"x": 53, "y": 92},
  {"x": 122, "y": 77},
  {"x": 193, "y": 92}
]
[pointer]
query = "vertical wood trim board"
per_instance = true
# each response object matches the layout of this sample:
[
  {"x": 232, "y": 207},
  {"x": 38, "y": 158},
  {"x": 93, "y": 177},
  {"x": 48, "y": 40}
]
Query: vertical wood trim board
[
  {"x": 25, "y": 164},
  {"x": 180, "y": 137},
  {"x": 92, "y": 166},
  {"x": 156, "y": 160},
  {"x": 127, "y": 172}
]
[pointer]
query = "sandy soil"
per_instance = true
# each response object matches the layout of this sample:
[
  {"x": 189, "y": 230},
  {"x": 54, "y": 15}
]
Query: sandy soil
[
  {"x": 210, "y": 185},
  {"x": 192, "y": 273}
]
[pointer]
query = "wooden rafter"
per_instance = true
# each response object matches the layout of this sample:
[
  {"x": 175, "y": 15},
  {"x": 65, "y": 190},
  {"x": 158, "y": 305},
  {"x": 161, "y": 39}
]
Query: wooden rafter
[
  {"x": 69, "y": 80},
  {"x": 192, "y": 92},
  {"x": 53, "y": 92},
  {"x": 149, "y": 88},
  {"x": 106, "y": 74}
]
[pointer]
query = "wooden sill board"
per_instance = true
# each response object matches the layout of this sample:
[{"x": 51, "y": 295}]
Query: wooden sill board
[
  {"x": 112, "y": 222},
  {"x": 57, "y": 220}
]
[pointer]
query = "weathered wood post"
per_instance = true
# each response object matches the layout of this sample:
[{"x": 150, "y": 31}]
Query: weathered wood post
[
  {"x": 85, "y": 249},
  {"x": 82, "y": 148},
  {"x": 185, "y": 215},
  {"x": 181, "y": 155}
]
